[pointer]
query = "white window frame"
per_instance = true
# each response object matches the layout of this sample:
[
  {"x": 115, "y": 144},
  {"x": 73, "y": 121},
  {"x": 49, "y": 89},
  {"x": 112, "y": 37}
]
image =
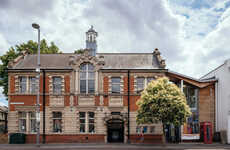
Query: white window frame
[
  {"x": 87, "y": 123},
  {"x": 87, "y": 71},
  {"x": 59, "y": 92},
  {"x": 20, "y": 118},
  {"x": 60, "y": 119},
  {"x": 20, "y": 89},
  {"x": 31, "y": 84},
  {"x": 119, "y": 83}
]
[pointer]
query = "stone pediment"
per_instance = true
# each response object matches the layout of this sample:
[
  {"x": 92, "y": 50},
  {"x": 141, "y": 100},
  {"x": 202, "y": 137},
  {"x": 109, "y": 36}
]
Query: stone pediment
[{"x": 76, "y": 60}]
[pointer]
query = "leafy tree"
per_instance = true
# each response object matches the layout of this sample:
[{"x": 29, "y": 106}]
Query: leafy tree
[
  {"x": 30, "y": 47},
  {"x": 79, "y": 51},
  {"x": 162, "y": 102}
]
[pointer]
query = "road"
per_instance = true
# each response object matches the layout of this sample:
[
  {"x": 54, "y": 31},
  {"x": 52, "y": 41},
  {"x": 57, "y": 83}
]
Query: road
[{"x": 113, "y": 147}]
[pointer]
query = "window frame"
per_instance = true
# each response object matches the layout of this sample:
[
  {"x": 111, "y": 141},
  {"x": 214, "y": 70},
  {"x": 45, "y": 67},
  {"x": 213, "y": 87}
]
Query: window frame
[
  {"x": 22, "y": 83},
  {"x": 91, "y": 123},
  {"x": 56, "y": 85},
  {"x": 148, "y": 79},
  {"x": 22, "y": 119},
  {"x": 118, "y": 84},
  {"x": 87, "y": 72},
  {"x": 32, "y": 84},
  {"x": 143, "y": 84},
  {"x": 84, "y": 122},
  {"x": 32, "y": 118},
  {"x": 59, "y": 119}
]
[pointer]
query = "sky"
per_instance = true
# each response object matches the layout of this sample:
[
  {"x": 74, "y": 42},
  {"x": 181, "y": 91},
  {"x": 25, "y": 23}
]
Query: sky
[{"x": 192, "y": 36}]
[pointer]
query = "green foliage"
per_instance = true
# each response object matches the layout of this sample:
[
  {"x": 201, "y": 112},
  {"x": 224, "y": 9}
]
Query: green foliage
[
  {"x": 30, "y": 47},
  {"x": 79, "y": 51},
  {"x": 162, "y": 101}
]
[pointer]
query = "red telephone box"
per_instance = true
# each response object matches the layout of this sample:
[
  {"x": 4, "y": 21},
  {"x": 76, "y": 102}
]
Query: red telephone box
[{"x": 206, "y": 132}]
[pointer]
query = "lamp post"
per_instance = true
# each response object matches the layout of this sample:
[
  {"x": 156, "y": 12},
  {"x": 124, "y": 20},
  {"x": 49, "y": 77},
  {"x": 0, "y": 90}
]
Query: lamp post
[{"x": 36, "y": 26}]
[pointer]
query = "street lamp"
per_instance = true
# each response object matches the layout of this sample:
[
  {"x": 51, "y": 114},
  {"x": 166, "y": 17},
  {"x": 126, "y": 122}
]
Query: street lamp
[{"x": 36, "y": 26}]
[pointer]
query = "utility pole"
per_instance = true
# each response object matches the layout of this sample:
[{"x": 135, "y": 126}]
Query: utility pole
[{"x": 36, "y": 26}]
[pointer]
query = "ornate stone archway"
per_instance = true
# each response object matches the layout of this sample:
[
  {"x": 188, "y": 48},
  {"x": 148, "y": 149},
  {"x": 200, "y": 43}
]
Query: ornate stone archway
[{"x": 115, "y": 125}]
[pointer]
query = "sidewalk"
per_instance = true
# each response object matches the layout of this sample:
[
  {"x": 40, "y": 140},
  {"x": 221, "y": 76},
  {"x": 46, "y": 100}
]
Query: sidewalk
[{"x": 116, "y": 146}]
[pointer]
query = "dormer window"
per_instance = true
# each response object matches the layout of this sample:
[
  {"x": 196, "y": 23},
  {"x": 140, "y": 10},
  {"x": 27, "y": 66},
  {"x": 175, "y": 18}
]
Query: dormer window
[{"x": 87, "y": 78}]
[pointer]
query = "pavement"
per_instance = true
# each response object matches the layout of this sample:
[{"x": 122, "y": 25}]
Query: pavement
[{"x": 116, "y": 146}]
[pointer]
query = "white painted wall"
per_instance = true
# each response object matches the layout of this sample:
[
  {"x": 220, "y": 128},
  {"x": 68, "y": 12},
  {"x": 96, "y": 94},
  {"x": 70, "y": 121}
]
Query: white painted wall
[{"x": 222, "y": 73}]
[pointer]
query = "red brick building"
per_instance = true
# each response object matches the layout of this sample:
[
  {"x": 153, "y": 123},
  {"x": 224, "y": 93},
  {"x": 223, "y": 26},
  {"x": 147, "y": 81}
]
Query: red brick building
[{"x": 91, "y": 97}]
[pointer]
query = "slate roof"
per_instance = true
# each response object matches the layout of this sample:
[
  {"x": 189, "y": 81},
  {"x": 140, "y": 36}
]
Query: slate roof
[
  {"x": 48, "y": 61},
  {"x": 130, "y": 61},
  {"x": 112, "y": 61}
]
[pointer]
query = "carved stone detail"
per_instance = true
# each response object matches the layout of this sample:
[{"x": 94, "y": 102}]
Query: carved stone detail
[
  {"x": 161, "y": 61},
  {"x": 86, "y": 101},
  {"x": 77, "y": 60},
  {"x": 57, "y": 101},
  {"x": 115, "y": 101}
]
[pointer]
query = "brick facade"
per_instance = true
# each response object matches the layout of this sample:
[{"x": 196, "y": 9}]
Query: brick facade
[
  {"x": 73, "y": 115},
  {"x": 101, "y": 102}
]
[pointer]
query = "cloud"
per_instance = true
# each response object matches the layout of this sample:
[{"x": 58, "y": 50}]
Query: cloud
[
  {"x": 3, "y": 102},
  {"x": 191, "y": 36},
  {"x": 26, "y": 7},
  {"x": 4, "y": 44},
  {"x": 136, "y": 27}
]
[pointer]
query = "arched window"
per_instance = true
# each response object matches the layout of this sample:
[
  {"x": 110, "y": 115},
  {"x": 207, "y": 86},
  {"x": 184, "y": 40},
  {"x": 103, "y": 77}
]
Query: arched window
[{"x": 87, "y": 78}]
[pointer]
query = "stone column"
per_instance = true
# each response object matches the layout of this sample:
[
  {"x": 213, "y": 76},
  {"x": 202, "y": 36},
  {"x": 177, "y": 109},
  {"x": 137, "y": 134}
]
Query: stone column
[
  {"x": 27, "y": 122},
  {"x": 181, "y": 85},
  {"x": 77, "y": 81},
  {"x": 96, "y": 82}
]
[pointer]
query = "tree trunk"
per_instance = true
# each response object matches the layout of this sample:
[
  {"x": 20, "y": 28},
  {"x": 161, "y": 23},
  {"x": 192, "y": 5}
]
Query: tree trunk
[{"x": 163, "y": 137}]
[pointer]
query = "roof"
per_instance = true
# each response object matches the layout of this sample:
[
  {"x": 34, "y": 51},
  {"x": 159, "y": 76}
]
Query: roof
[
  {"x": 130, "y": 61},
  {"x": 3, "y": 109},
  {"x": 191, "y": 78},
  {"x": 193, "y": 81},
  {"x": 112, "y": 61},
  {"x": 48, "y": 61}
]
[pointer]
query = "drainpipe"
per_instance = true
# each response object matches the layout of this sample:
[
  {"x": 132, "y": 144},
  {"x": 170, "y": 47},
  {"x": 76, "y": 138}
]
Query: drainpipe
[
  {"x": 128, "y": 106},
  {"x": 44, "y": 107},
  {"x": 217, "y": 104}
]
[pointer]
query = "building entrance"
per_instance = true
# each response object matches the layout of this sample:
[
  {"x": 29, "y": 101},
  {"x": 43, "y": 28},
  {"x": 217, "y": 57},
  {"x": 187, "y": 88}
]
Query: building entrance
[{"x": 115, "y": 130}]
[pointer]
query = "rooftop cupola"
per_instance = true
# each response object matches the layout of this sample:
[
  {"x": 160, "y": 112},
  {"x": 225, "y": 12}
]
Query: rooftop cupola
[{"x": 91, "y": 42}]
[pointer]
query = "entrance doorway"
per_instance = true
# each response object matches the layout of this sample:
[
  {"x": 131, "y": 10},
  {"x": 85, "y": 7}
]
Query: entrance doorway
[{"x": 115, "y": 130}]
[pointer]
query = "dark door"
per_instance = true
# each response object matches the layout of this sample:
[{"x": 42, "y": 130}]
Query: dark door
[{"x": 115, "y": 130}]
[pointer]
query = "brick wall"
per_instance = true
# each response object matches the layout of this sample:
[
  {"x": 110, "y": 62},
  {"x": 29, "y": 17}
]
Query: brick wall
[
  {"x": 12, "y": 84},
  {"x": 65, "y": 138},
  {"x": 106, "y": 84},
  {"x": 207, "y": 104}
]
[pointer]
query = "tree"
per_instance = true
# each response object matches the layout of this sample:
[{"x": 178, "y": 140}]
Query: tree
[
  {"x": 79, "y": 51},
  {"x": 162, "y": 102},
  {"x": 30, "y": 47}
]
